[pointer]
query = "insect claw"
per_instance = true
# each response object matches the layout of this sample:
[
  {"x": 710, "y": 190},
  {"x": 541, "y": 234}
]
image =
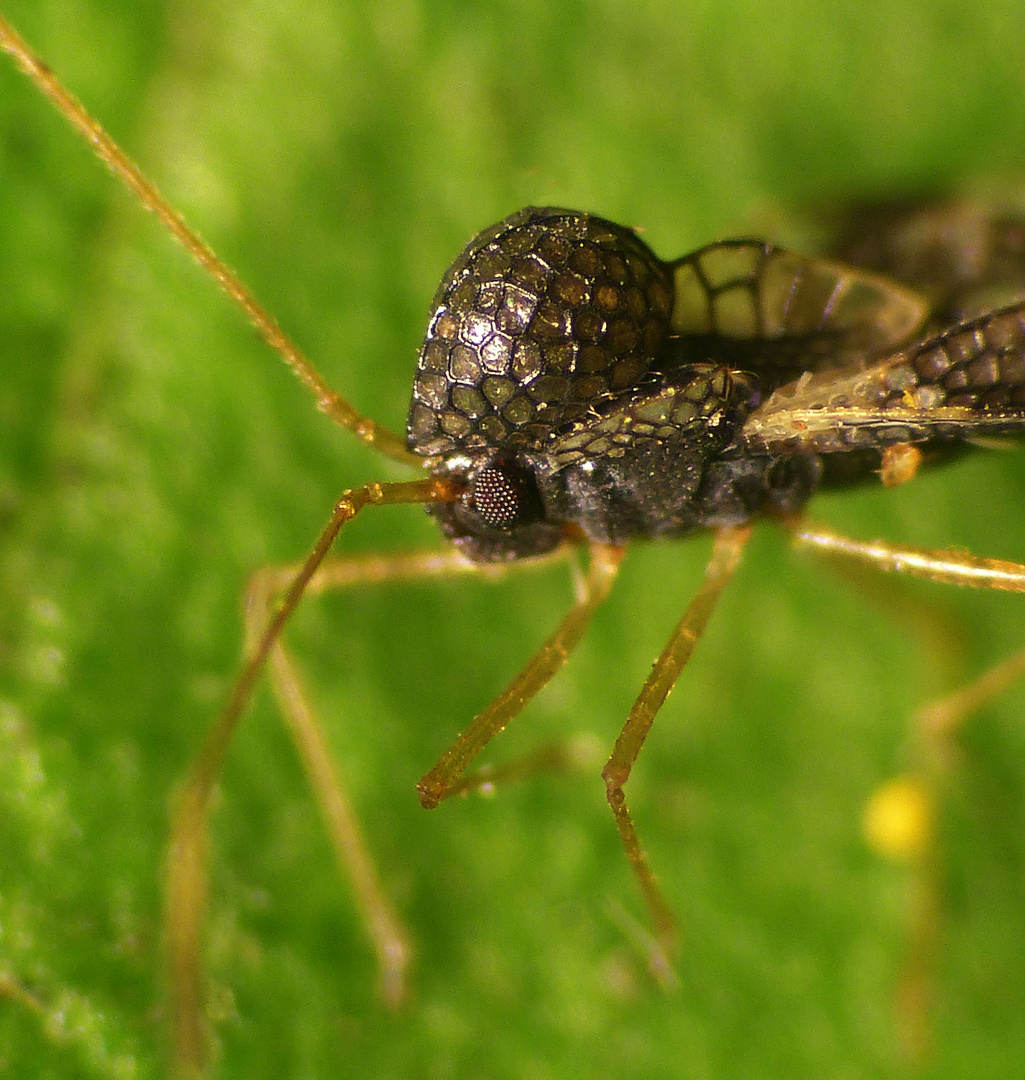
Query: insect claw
[{"x": 658, "y": 949}]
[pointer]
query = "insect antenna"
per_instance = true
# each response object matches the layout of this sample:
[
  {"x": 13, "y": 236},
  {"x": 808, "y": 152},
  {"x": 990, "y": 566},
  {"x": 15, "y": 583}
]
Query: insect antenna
[
  {"x": 139, "y": 185},
  {"x": 186, "y": 868}
]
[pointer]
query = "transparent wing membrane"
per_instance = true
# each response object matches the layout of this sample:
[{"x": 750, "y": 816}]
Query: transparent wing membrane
[{"x": 801, "y": 310}]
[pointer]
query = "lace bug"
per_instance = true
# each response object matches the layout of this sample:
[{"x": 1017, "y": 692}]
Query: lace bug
[{"x": 497, "y": 499}]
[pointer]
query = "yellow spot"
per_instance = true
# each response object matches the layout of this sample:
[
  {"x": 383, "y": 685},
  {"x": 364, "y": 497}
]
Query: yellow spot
[{"x": 898, "y": 820}]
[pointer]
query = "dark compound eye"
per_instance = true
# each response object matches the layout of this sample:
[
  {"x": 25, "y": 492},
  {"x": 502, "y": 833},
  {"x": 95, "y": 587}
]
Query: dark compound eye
[{"x": 504, "y": 496}]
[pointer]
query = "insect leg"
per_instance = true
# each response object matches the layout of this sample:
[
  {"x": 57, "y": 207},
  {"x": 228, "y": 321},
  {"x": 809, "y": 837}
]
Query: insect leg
[
  {"x": 443, "y": 780},
  {"x": 728, "y": 547},
  {"x": 386, "y": 932},
  {"x": 185, "y": 883},
  {"x": 941, "y": 719},
  {"x": 900, "y": 821},
  {"x": 951, "y": 567},
  {"x": 901, "y": 814}
]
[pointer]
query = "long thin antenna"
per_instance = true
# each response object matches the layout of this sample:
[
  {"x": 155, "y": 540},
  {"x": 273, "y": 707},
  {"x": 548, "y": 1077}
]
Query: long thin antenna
[{"x": 122, "y": 166}]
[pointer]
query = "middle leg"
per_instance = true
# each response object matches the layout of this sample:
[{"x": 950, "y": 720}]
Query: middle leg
[{"x": 726, "y": 552}]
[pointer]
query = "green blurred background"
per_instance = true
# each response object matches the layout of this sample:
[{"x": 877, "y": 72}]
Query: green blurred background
[{"x": 152, "y": 453}]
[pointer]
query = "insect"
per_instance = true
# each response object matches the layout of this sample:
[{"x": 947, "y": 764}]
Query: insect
[{"x": 500, "y": 494}]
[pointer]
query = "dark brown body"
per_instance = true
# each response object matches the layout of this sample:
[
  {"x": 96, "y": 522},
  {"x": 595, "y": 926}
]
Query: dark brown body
[{"x": 571, "y": 379}]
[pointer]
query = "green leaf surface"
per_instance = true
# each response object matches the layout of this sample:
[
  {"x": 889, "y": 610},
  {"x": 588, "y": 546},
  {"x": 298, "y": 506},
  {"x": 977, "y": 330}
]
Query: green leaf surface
[{"x": 153, "y": 453}]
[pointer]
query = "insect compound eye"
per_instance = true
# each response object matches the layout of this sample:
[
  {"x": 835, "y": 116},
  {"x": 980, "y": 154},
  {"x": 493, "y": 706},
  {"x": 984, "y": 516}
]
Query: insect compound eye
[
  {"x": 504, "y": 496},
  {"x": 500, "y": 516}
]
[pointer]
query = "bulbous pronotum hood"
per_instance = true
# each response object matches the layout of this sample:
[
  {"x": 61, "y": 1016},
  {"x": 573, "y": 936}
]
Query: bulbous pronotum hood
[{"x": 539, "y": 317}]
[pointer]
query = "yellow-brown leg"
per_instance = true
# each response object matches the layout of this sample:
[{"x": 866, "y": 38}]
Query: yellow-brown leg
[
  {"x": 901, "y": 815},
  {"x": 900, "y": 824},
  {"x": 444, "y": 780},
  {"x": 726, "y": 553},
  {"x": 385, "y": 930},
  {"x": 186, "y": 871},
  {"x": 951, "y": 567}
]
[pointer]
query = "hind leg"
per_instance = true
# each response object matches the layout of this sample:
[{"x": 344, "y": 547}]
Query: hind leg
[{"x": 900, "y": 819}]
